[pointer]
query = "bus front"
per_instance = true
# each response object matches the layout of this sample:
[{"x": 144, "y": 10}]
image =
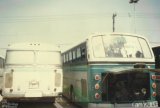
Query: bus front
[{"x": 120, "y": 71}]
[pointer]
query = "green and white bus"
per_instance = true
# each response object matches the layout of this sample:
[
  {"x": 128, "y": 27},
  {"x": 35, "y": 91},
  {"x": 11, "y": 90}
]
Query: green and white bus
[{"x": 110, "y": 70}]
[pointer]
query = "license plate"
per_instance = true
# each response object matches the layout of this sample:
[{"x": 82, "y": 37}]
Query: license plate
[
  {"x": 145, "y": 104},
  {"x": 33, "y": 84}
]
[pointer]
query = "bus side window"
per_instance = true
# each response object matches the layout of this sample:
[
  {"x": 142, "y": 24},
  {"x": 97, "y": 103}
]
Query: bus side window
[
  {"x": 78, "y": 53},
  {"x": 67, "y": 57},
  {"x": 74, "y": 55},
  {"x": 83, "y": 53},
  {"x": 64, "y": 59},
  {"x": 70, "y": 56}
]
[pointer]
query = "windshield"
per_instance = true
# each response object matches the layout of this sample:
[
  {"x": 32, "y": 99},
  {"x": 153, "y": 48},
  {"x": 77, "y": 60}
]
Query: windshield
[
  {"x": 120, "y": 46},
  {"x": 33, "y": 57}
]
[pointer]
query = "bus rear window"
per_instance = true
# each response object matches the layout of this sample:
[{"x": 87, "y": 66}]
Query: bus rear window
[
  {"x": 120, "y": 46},
  {"x": 20, "y": 57},
  {"x": 33, "y": 57},
  {"x": 48, "y": 58}
]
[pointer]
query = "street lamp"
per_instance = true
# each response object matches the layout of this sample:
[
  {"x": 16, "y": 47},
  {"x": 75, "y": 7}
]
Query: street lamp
[
  {"x": 134, "y": 2},
  {"x": 113, "y": 17}
]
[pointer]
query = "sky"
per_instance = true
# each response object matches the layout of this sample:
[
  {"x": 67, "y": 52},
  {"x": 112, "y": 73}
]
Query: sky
[{"x": 65, "y": 22}]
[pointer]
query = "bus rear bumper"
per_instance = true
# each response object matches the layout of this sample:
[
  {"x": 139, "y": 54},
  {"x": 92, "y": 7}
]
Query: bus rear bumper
[
  {"x": 30, "y": 96},
  {"x": 100, "y": 105},
  {"x": 151, "y": 104}
]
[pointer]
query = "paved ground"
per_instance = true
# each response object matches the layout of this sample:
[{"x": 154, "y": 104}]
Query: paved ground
[{"x": 59, "y": 103}]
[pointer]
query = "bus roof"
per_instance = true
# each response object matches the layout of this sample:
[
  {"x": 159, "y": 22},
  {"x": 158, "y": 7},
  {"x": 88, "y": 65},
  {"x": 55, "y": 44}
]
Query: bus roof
[
  {"x": 156, "y": 46},
  {"x": 129, "y": 34},
  {"x": 33, "y": 46},
  {"x": 100, "y": 34}
]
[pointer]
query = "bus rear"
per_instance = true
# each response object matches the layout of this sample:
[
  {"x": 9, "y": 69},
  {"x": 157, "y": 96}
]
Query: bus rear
[
  {"x": 32, "y": 71},
  {"x": 121, "y": 71},
  {"x": 111, "y": 71}
]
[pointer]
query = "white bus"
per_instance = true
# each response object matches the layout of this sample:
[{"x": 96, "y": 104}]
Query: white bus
[{"x": 32, "y": 72}]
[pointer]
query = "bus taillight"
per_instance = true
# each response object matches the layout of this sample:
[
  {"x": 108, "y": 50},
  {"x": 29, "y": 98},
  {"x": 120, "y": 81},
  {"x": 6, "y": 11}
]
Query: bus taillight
[
  {"x": 97, "y": 95},
  {"x": 154, "y": 85},
  {"x": 97, "y": 86},
  {"x": 97, "y": 77},
  {"x": 153, "y": 77},
  {"x": 154, "y": 94}
]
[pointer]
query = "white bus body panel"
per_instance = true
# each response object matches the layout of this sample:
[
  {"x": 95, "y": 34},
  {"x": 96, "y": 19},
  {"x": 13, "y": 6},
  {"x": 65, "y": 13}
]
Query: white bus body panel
[{"x": 29, "y": 83}]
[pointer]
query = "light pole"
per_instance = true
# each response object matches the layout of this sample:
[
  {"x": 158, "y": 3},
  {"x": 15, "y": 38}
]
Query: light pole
[
  {"x": 113, "y": 17},
  {"x": 134, "y": 2}
]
